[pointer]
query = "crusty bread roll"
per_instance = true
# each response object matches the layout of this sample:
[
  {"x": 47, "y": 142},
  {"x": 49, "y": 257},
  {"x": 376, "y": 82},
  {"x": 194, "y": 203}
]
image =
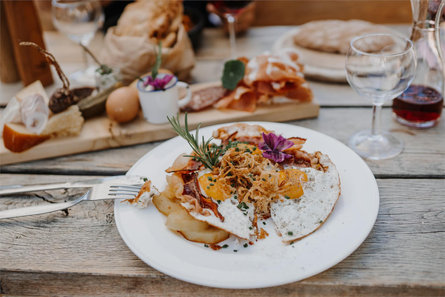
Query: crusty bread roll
[
  {"x": 334, "y": 36},
  {"x": 18, "y": 139},
  {"x": 155, "y": 19},
  {"x": 131, "y": 46}
]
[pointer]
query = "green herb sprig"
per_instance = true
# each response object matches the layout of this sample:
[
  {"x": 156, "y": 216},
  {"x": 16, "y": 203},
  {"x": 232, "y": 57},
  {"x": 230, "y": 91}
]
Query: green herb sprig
[
  {"x": 206, "y": 152},
  {"x": 157, "y": 65}
]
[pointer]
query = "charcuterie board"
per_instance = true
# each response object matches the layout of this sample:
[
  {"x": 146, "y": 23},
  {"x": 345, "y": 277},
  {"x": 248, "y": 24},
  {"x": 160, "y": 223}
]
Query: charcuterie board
[{"x": 102, "y": 133}]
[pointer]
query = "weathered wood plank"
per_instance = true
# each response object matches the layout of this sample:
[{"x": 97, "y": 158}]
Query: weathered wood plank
[
  {"x": 404, "y": 250},
  {"x": 423, "y": 156},
  {"x": 94, "y": 285}
]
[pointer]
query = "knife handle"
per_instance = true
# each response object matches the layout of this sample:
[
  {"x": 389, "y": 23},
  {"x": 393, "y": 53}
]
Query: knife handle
[{"x": 23, "y": 189}]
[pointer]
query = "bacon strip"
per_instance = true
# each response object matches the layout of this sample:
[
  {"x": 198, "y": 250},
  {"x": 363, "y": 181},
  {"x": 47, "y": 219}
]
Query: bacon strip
[
  {"x": 184, "y": 164},
  {"x": 191, "y": 188}
]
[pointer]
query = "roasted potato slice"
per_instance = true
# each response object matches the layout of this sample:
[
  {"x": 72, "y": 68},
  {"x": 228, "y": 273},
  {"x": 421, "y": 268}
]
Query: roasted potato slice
[
  {"x": 180, "y": 220},
  {"x": 211, "y": 235},
  {"x": 166, "y": 205},
  {"x": 193, "y": 229}
]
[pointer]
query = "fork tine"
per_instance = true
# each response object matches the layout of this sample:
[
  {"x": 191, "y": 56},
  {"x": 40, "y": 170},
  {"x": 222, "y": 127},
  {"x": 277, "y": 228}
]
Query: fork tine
[
  {"x": 124, "y": 185},
  {"x": 124, "y": 189},
  {"x": 121, "y": 195},
  {"x": 116, "y": 190}
]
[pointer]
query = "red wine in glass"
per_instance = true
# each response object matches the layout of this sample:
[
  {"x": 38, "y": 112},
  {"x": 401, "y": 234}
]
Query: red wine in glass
[
  {"x": 419, "y": 106},
  {"x": 230, "y": 7}
]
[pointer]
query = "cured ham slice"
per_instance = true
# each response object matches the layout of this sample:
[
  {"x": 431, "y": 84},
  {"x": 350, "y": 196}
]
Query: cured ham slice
[
  {"x": 242, "y": 98},
  {"x": 268, "y": 76},
  {"x": 204, "y": 98}
]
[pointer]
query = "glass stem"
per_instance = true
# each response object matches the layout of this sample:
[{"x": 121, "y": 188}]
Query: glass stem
[
  {"x": 86, "y": 63},
  {"x": 376, "y": 112},
  {"x": 231, "y": 23}
]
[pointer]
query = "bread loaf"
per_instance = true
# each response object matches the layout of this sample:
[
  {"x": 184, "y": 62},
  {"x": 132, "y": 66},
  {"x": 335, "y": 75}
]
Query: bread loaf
[{"x": 18, "y": 139}]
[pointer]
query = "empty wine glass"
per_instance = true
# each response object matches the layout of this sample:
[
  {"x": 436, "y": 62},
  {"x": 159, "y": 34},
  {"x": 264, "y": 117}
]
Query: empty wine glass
[
  {"x": 79, "y": 20},
  {"x": 379, "y": 67}
]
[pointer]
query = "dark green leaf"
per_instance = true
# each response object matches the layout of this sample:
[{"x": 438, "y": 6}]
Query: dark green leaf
[{"x": 233, "y": 72}]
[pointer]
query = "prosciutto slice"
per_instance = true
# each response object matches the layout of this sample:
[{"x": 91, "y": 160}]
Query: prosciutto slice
[{"x": 267, "y": 76}]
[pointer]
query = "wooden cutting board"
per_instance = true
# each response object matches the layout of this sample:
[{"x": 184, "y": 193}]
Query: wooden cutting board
[{"x": 101, "y": 133}]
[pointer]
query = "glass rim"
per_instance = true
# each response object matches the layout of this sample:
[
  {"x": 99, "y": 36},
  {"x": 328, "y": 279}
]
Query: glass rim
[{"x": 407, "y": 40}]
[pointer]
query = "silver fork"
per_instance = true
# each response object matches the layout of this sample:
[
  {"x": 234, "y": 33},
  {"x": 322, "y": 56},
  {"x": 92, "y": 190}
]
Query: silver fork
[
  {"x": 111, "y": 189},
  {"x": 16, "y": 189}
]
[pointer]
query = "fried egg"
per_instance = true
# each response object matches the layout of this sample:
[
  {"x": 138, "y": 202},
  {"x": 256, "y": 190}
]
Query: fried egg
[
  {"x": 303, "y": 201},
  {"x": 237, "y": 219},
  {"x": 297, "y": 218}
]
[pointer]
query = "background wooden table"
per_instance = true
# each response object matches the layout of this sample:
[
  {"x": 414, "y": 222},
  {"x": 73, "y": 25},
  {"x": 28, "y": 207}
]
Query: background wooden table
[{"x": 79, "y": 251}]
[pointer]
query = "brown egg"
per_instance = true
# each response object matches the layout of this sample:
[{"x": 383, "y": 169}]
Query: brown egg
[{"x": 123, "y": 104}]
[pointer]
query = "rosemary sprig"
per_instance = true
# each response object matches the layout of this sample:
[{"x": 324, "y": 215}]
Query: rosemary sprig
[{"x": 206, "y": 152}]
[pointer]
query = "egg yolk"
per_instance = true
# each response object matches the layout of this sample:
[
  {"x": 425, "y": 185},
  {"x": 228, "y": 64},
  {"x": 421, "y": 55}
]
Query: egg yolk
[
  {"x": 244, "y": 147},
  {"x": 212, "y": 187},
  {"x": 291, "y": 181}
]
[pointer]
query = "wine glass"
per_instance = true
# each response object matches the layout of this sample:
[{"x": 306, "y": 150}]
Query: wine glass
[
  {"x": 79, "y": 20},
  {"x": 380, "y": 67},
  {"x": 230, "y": 9}
]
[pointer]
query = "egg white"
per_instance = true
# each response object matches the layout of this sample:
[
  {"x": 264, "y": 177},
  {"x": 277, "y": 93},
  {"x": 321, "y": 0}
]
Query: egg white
[{"x": 296, "y": 218}]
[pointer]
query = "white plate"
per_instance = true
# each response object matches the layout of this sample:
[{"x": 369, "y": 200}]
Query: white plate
[
  {"x": 317, "y": 65},
  {"x": 268, "y": 262}
]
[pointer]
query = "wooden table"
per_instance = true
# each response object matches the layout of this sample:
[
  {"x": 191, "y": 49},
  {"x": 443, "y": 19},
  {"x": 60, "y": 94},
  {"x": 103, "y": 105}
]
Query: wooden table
[{"x": 79, "y": 251}]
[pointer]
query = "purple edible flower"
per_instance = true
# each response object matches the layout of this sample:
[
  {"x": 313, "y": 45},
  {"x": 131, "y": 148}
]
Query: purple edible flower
[
  {"x": 273, "y": 147},
  {"x": 158, "y": 83}
]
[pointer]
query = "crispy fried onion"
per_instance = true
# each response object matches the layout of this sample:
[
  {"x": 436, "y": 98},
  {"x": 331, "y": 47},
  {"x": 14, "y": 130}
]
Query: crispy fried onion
[{"x": 251, "y": 178}]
